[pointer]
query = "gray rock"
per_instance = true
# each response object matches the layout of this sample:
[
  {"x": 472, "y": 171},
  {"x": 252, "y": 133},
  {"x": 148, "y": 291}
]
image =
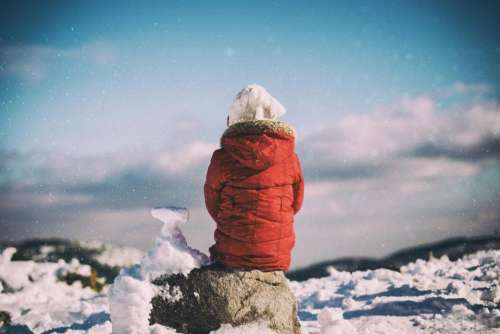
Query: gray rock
[
  {"x": 5, "y": 318},
  {"x": 5, "y": 287},
  {"x": 212, "y": 296}
]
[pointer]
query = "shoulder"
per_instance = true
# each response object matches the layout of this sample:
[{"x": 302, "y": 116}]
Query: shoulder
[
  {"x": 217, "y": 155},
  {"x": 220, "y": 158}
]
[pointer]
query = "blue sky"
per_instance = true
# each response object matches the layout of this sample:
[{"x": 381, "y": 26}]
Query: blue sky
[{"x": 109, "y": 109}]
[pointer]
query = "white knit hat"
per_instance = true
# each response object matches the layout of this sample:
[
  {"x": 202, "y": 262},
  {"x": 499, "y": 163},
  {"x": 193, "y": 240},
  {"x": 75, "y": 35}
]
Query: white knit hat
[{"x": 252, "y": 103}]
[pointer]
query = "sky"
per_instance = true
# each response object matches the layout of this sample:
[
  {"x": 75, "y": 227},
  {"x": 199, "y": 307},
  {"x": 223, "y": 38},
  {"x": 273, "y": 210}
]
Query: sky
[{"x": 110, "y": 109}]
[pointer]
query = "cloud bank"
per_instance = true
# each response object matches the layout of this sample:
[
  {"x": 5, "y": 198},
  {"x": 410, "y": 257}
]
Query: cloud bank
[
  {"x": 421, "y": 169},
  {"x": 34, "y": 63}
]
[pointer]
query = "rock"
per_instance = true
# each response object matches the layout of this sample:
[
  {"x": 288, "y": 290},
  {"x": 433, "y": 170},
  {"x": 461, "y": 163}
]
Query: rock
[
  {"x": 211, "y": 296},
  {"x": 491, "y": 294},
  {"x": 5, "y": 287},
  {"x": 5, "y": 318}
]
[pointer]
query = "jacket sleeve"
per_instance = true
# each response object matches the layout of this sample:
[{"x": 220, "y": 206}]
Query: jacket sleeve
[
  {"x": 213, "y": 185},
  {"x": 298, "y": 187}
]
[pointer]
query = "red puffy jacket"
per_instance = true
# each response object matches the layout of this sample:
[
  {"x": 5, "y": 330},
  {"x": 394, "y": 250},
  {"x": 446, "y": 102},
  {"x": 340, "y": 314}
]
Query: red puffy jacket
[{"x": 254, "y": 186}]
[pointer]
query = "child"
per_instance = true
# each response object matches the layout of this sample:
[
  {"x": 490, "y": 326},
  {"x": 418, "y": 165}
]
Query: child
[{"x": 254, "y": 185}]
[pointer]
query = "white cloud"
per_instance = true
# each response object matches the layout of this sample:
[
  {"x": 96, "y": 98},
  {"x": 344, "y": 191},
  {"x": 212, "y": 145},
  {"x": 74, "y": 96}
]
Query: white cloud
[
  {"x": 378, "y": 134},
  {"x": 398, "y": 175},
  {"x": 480, "y": 122},
  {"x": 120, "y": 180},
  {"x": 57, "y": 168},
  {"x": 17, "y": 200},
  {"x": 35, "y": 62},
  {"x": 185, "y": 157},
  {"x": 464, "y": 88},
  {"x": 412, "y": 122},
  {"x": 432, "y": 169}
]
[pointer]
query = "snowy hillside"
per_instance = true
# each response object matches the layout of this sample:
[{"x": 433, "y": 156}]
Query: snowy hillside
[
  {"x": 105, "y": 259},
  {"x": 453, "y": 248},
  {"x": 435, "y": 296},
  {"x": 438, "y": 296}
]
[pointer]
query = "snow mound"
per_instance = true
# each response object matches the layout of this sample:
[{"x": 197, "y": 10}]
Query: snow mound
[
  {"x": 131, "y": 293},
  {"x": 171, "y": 254}
]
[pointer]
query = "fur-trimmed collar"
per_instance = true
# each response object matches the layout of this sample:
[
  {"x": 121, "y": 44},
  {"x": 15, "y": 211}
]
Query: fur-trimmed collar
[{"x": 257, "y": 127}]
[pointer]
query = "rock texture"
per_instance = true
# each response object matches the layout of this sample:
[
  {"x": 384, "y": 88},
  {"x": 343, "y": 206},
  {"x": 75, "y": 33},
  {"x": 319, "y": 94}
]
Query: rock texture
[{"x": 212, "y": 296}]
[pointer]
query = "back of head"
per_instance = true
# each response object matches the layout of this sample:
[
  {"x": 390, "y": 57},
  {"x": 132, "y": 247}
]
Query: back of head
[{"x": 254, "y": 103}]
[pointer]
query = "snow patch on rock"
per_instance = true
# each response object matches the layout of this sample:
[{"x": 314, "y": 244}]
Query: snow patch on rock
[
  {"x": 171, "y": 253},
  {"x": 131, "y": 293}
]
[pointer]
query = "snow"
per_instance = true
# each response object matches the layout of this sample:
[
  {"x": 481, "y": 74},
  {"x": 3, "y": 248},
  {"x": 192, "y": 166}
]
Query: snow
[
  {"x": 434, "y": 296},
  {"x": 129, "y": 304},
  {"x": 119, "y": 256},
  {"x": 171, "y": 254},
  {"x": 331, "y": 322},
  {"x": 438, "y": 296},
  {"x": 254, "y": 103},
  {"x": 253, "y": 328},
  {"x": 132, "y": 291},
  {"x": 43, "y": 302},
  {"x": 175, "y": 295}
]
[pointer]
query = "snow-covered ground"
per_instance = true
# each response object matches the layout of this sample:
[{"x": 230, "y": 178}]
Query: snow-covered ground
[{"x": 435, "y": 296}]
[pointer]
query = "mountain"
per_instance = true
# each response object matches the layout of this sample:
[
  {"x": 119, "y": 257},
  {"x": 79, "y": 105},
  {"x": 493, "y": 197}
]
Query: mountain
[
  {"x": 437, "y": 296},
  {"x": 454, "y": 248},
  {"x": 105, "y": 259}
]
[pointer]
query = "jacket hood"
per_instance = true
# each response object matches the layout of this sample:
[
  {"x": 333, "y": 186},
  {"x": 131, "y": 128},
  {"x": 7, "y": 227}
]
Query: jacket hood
[
  {"x": 259, "y": 144},
  {"x": 254, "y": 103}
]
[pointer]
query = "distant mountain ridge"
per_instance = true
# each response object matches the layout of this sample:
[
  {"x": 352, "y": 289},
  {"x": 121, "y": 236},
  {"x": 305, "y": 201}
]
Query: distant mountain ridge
[
  {"x": 105, "y": 259},
  {"x": 454, "y": 248},
  {"x": 94, "y": 254},
  {"x": 437, "y": 296}
]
